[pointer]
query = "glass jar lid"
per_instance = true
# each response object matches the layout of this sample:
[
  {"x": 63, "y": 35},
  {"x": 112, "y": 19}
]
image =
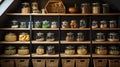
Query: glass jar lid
[
  {"x": 103, "y": 21},
  {"x": 105, "y": 4},
  {"x": 11, "y": 34},
  {"x": 112, "y": 21},
  {"x": 114, "y": 34},
  {"x": 50, "y": 47},
  {"x": 23, "y": 47},
  {"x": 73, "y": 20},
  {"x": 25, "y": 4},
  {"x": 95, "y": 3},
  {"x": 114, "y": 48},
  {"x": 82, "y": 47},
  {"x": 100, "y": 33},
  {"x": 50, "y": 34},
  {"x": 23, "y": 33},
  {"x": 79, "y": 33},
  {"x": 100, "y": 47},
  {"x": 69, "y": 47},
  {"x": 70, "y": 33},
  {"x": 40, "y": 47},
  {"x": 84, "y": 4},
  {"x": 10, "y": 47},
  {"x": 40, "y": 34}
]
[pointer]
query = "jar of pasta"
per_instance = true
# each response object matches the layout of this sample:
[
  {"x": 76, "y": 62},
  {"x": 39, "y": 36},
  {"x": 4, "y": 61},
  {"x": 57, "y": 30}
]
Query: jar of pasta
[
  {"x": 24, "y": 37},
  {"x": 23, "y": 50},
  {"x": 82, "y": 50},
  {"x": 40, "y": 50},
  {"x": 10, "y": 37},
  {"x": 25, "y": 8},
  {"x": 10, "y": 50},
  {"x": 70, "y": 50},
  {"x": 95, "y": 8},
  {"x": 101, "y": 50}
]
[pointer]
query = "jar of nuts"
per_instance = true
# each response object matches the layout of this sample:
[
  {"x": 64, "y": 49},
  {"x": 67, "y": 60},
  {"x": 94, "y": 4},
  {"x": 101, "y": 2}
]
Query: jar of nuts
[
  {"x": 69, "y": 37},
  {"x": 23, "y": 50},
  {"x": 82, "y": 50},
  {"x": 40, "y": 50},
  {"x": 103, "y": 24},
  {"x": 70, "y": 50},
  {"x": 24, "y": 37},
  {"x": 101, "y": 50}
]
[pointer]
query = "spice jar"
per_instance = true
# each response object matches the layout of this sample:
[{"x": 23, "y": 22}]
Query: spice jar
[
  {"x": 101, "y": 50},
  {"x": 80, "y": 36},
  {"x": 69, "y": 37},
  {"x": 10, "y": 50},
  {"x": 112, "y": 24},
  {"x": 50, "y": 37},
  {"x": 100, "y": 37},
  {"x": 64, "y": 24},
  {"x": 40, "y": 50},
  {"x": 85, "y": 7},
  {"x": 114, "y": 50},
  {"x": 94, "y": 24},
  {"x": 70, "y": 50},
  {"x": 105, "y": 8},
  {"x": 82, "y": 50},
  {"x": 25, "y": 8},
  {"x": 50, "y": 50},
  {"x": 24, "y": 37},
  {"x": 103, "y": 24},
  {"x": 14, "y": 24},
  {"x": 95, "y": 8},
  {"x": 54, "y": 24},
  {"x": 83, "y": 24},
  {"x": 35, "y": 7},
  {"x": 23, "y": 25},
  {"x": 37, "y": 24},
  {"x": 23, "y": 50},
  {"x": 73, "y": 24},
  {"x": 113, "y": 37},
  {"x": 45, "y": 24},
  {"x": 40, "y": 36},
  {"x": 10, "y": 37}
]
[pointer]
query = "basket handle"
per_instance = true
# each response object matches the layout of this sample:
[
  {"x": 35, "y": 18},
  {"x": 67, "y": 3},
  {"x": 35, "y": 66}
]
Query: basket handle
[
  {"x": 99, "y": 60},
  {"x": 38, "y": 60},
  {"x": 22, "y": 60},
  {"x": 7, "y": 60},
  {"x": 82, "y": 60},
  {"x": 51, "y": 60},
  {"x": 67, "y": 60}
]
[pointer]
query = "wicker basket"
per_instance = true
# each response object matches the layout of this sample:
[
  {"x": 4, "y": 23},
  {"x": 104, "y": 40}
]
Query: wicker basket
[
  {"x": 52, "y": 63},
  {"x": 82, "y": 62},
  {"x": 100, "y": 62},
  {"x": 114, "y": 63},
  {"x": 68, "y": 62},
  {"x": 38, "y": 62},
  {"x": 7, "y": 62},
  {"x": 22, "y": 62}
]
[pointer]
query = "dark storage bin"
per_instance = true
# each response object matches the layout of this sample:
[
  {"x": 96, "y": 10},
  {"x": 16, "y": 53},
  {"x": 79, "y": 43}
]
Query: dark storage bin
[
  {"x": 100, "y": 62},
  {"x": 114, "y": 63},
  {"x": 7, "y": 62}
]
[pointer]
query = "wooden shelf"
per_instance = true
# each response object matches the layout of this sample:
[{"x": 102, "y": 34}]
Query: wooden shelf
[
  {"x": 45, "y": 55},
  {"x": 16, "y": 42},
  {"x": 76, "y": 55},
  {"x": 14, "y": 29},
  {"x": 75, "y": 28},
  {"x": 45, "y": 28},
  {"x": 106, "y": 42},
  {"x": 106, "y": 29},
  {"x": 75, "y": 42},
  {"x": 105, "y": 56},
  {"x": 45, "y": 42},
  {"x": 14, "y": 56}
]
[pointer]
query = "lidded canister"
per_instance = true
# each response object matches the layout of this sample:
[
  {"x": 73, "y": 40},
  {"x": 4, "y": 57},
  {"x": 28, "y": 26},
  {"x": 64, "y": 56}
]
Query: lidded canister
[
  {"x": 73, "y": 24},
  {"x": 80, "y": 36},
  {"x": 10, "y": 37},
  {"x": 40, "y": 36},
  {"x": 70, "y": 50},
  {"x": 25, "y": 8},
  {"x": 40, "y": 50},
  {"x": 10, "y": 50},
  {"x": 38, "y": 24},
  {"x": 101, "y": 50},
  {"x": 112, "y": 24},
  {"x": 83, "y": 23},
  {"x": 95, "y": 8},
  {"x": 23, "y": 25},
  {"x": 50, "y": 36},
  {"x": 64, "y": 24},
  {"x": 94, "y": 24},
  {"x": 100, "y": 37},
  {"x": 113, "y": 37},
  {"x": 82, "y": 50},
  {"x": 70, "y": 36},
  {"x": 114, "y": 50},
  {"x": 103, "y": 24},
  {"x": 54, "y": 24},
  {"x": 105, "y": 8},
  {"x": 14, "y": 24},
  {"x": 85, "y": 7},
  {"x": 50, "y": 50}
]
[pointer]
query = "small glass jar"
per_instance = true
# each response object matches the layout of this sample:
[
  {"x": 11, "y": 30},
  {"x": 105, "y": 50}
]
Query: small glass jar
[
  {"x": 112, "y": 24},
  {"x": 113, "y": 37},
  {"x": 40, "y": 36},
  {"x": 35, "y": 7},
  {"x": 82, "y": 50},
  {"x": 83, "y": 24},
  {"x": 100, "y": 37},
  {"x": 101, "y": 50},
  {"x": 69, "y": 37},
  {"x": 25, "y": 8},
  {"x": 50, "y": 50},
  {"x": 24, "y": 37},
  {"x": 64, "y": 24},
  {"x": 10, "y": 50},
  {"x": 23, "y": 50},
  {"x": 23, "y": 25},
  {"x": 103, "y": 24},
  {"x": 45, "y": 24},
  {"x": 73, "y": 24},
  {"x": 40, "y": 50},
  {"x": 50, "y": 37},
  {"x": 10, "y": 37},
  {"x": 70, "y": 50},
  {"x": 54, "y": 24},
  {"x": 80, "y": 36},
  {"x": 114, "y": 50},
  {"x": 94, "y": 24},
  {"x": 14, "y": 24},
  {"x": 105, "y": 8},
  {"x": 95, "y": 8},
  {"x": 37, "y": 24},
  {"x": 85, "y": 7}
]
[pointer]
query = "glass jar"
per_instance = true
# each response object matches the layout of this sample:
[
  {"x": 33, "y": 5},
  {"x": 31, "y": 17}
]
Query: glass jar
[
  {"x": 73, "y": 24},
  {"x": 85, "y": 7},
  {"x": 69, "y": 37},
  {"x": 112, "y": 24},
  {"x": 10, "y": 37},
  {"x": 35, "y": 7},
  {"x": 24, "y": 37},
  {"x": 64, "y": 24},
  {"x": 80, "y": 36},
  {"x": 100, "y": 37},
  {"x": 40, "y": 50},
  {"x": 95, "y": 8},
  {"x": 101, "y": 50},
  {"x": 105, "y": 8},
  {"x": 83, "y": 24},
  {"x": 54, "y": 24},
  {"x": 103, "y": 24},
  {"x": 10, "y": 50},
  {"x": 37, "y": 24},
  {"x": 94, "y": 24},
  {"x": 50, "y": 50},
  {"x": 82, "y": 50},
  {"x": 50, "y": 37},
  {"x": 70, "y": 50},
  {"x": 23, "y": 50},
  {"x": 25, "y": 8},
  {"x": 45, "y": 24},
  {"x": 14, "y": 24},
  {"x": 23, "y": 25},
  {"x": 40, "y": 36},
  {"x": 114, "y": 50},
  {"x": 113, "y": 37}
]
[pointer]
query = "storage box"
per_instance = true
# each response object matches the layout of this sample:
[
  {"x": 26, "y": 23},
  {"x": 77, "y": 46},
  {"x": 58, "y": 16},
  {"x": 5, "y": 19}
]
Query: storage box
[
  {"x": 22, "y": 62},
  {"x": 100, "y": 62},
  {"x": 38, "y": 62},
  {"x": 114, "y": 63},
  {"x": 68, "y": 62},
  {"x": 51, "y": 62},
  {"x": 82, "y": 62},
  {"x": 7, "y": 62}
]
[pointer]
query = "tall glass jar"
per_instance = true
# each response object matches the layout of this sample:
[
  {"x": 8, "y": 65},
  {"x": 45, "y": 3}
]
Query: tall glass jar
[
  {"x": 94, "y": 24},
  {"x": 83, "y": 24},
  {"x": 114, "y": 50},
  {"x": 73, "y": 24},
  {"x": 40, "y": 50},
  {"x": 105, "y": 8},
  {"x": 112, "y": 24},
  {"x": 14, "y": 24},
  {"x": 40, "y": 36},
  {"x": 100, "y": 37},
  {"x": 113, "y": 37},
  {"x": 103, "y": 24},
  {"x": 10, "y": 37},
  {"x": 101, "y": 50},
  {"x": 46, "y": 24},
  {"x": 23, "y": 50},
  {"x": 23, "y": 25},
  {"x": 35, "y": 7},
  {"x": 50, "y": 50},
  {"x": 70, "y": 50},
  {"x": 80, "y": 36},
  {"x": 85, "y": 7},
  {"x": 50, "y": 37},
  {"x": 37, "y": 24},
  {"x": 54, "y": 24},
  {"x": 95, "y": 8},
  {"x": 64, "y": 24},
  {"x": 25, "y": 8},
  {"x": 82, "y": 50},
  {"x": 69, "y": 37}
]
